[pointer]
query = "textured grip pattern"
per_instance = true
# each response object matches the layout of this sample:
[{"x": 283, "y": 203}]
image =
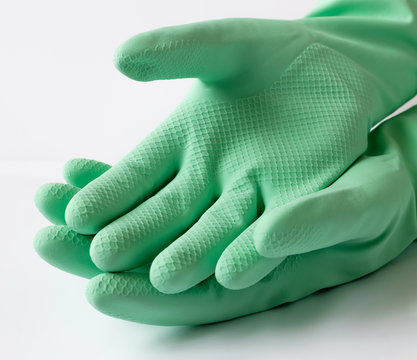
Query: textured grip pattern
[{"x": 289, "y": 140}]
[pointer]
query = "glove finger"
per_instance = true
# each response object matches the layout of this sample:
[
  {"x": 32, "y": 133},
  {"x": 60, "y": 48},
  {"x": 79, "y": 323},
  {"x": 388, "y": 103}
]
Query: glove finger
[
  {"x": 67, "y": 250},
  {"x": 142, "y": 172},
  {"x": 132, "y": 297},
  {"x": 137, "y": 237},
  {"x": 211, "y": 50},
  {"x": 192, "y": 257},
  {"x": 350, "y": 209},
  {"x": 79, "y": 172},
  {"x": 240, "y": 265},
  {"x": 361, "y": 204},
  {"x": 52, "y": 199},
  {"x": 199, "y": 50}
]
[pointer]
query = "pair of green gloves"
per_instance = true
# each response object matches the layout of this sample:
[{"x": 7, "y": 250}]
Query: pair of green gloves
[{"x": 263, "y": 186}]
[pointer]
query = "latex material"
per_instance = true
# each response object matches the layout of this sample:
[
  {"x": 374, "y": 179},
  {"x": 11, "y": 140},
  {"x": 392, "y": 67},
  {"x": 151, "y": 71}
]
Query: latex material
[
  {"x": 59, "y": 245},
  {"x": 79, "y": 172},
  {"x": 380, "y": 187},
  {"x": 65, "y": 249},
  {"x": 52, "y": 199},
  {"x": 281, "y": 108}
]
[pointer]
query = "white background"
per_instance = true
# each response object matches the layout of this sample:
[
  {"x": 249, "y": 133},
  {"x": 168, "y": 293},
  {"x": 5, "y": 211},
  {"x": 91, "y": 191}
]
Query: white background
[{"x": 60, "y": 97}]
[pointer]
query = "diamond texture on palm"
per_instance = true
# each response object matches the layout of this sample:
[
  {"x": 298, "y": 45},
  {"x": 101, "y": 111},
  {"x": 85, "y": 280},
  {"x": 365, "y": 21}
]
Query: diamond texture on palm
[
  {"x": 361, "y": 221},
  {"x": 275, "y": 115}
]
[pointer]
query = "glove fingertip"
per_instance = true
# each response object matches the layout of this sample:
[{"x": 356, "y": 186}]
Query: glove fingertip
[
  {"x": 52, "y": 199},
  {"x": 79, "y": 172}
]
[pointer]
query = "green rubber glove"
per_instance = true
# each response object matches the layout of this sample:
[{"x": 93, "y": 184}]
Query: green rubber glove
[
  {"x": 376, "y": 196},
  {"x": 280, "y": 109}
]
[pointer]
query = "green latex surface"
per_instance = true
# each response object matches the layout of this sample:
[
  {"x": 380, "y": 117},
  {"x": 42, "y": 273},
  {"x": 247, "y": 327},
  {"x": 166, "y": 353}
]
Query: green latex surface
[
  {"x": 280, "y": 109},
  {"x": 375, "y": 197}
]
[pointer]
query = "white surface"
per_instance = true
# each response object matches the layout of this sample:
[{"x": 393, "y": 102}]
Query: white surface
[{"x": 61, "y": 98}]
